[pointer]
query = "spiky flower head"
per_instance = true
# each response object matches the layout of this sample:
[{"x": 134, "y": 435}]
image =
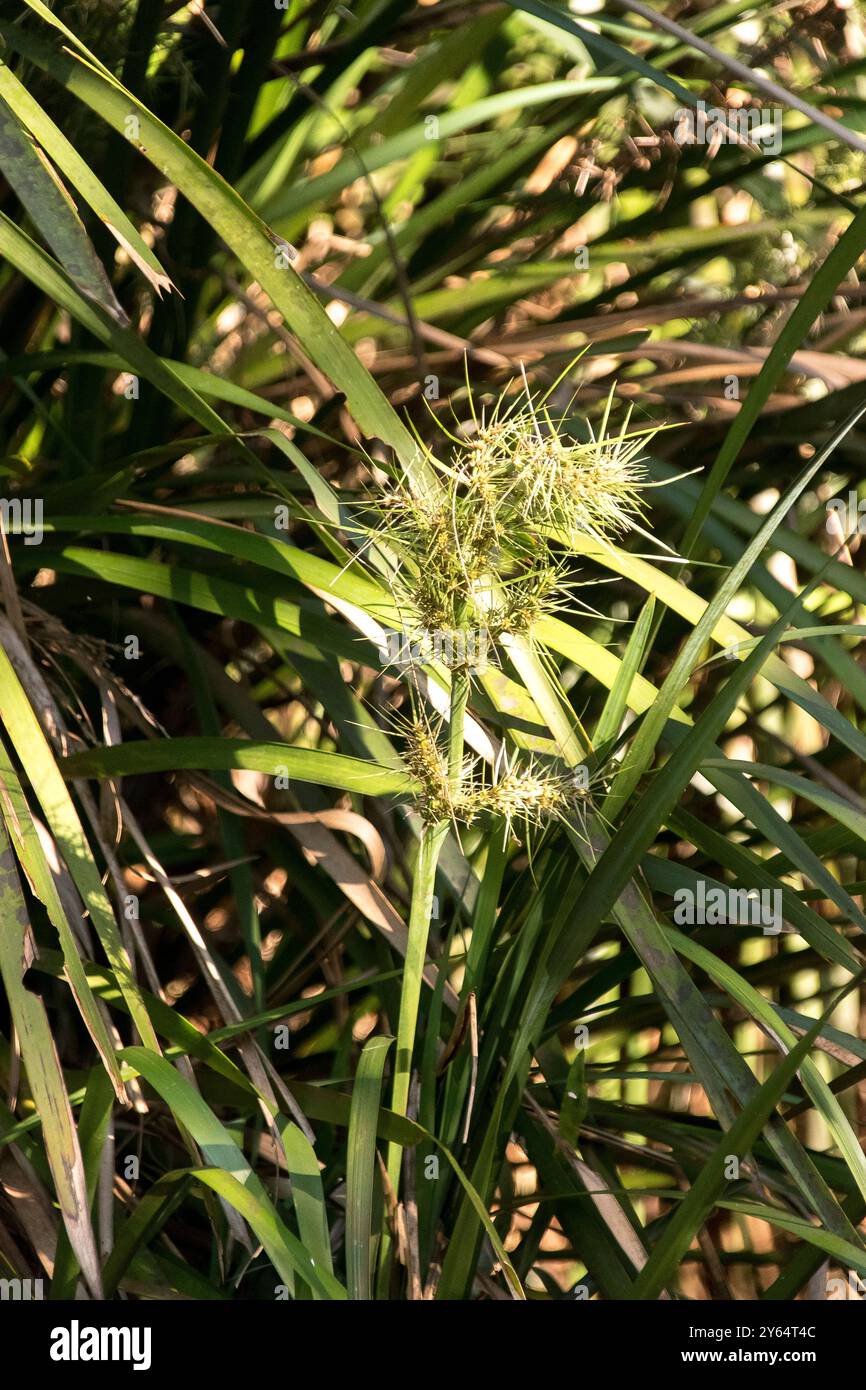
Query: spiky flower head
[
  {"x": 482, "y": 551},
  {"x": 456, "y": 553},
  {"x": 533, "y": 475},
  {"x": 515, "y": 789},
  {"x": 530, "y": 793},
  {"x": 428, "y": 767}
]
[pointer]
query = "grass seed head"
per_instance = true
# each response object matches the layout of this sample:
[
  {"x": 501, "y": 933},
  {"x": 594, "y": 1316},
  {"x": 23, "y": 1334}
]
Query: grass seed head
[
  {"x": 428, "y": 766},
  {"x": 526, "y": 791},
  {"x": 532, "y": 476},
  {"x": 481, "y": 551}
]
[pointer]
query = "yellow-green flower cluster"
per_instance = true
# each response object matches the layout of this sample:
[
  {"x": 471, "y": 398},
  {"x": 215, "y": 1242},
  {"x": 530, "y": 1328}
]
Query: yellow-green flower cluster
[
  {"x": 528, "y": 792},
  {"x": 534, "y": 478},
  {"x": 482, "y": 552}
]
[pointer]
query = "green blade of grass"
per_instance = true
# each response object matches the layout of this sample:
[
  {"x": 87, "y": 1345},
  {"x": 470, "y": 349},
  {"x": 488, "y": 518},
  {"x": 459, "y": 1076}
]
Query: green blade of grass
[
  {"x": 256, "y": 247},
  {"x": 757, "y": 1007},
  {"x": 44, "y": 1072},
  {"x": 688, "y": 1218},
  {"x": 231, "y": 1175},
  {"x": 361, "y": 1167},
  {"x": 19, "y": 719},
  {"x": 28, "y": 848},
  {"x": 308, "y": 1195},
  {"x": 94, "y": 1119},
  {"x": 222, "y": 754},
  {"x": 53, "y": 211},
  {"x": 66, "y": 157}
]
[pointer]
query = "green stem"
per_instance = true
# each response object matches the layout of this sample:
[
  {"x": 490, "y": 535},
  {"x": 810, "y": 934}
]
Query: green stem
[
  {"x": 456, "y": 721},
  {"x": 423, "y": 887},
  {"x": 416, "y": 952}
]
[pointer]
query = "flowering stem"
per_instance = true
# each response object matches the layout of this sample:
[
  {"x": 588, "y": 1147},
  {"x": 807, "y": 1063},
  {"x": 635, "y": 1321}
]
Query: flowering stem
[
  {"x": 419, "y": 927},
  {"x": 423, "y": 887},
  {"x": 456, "y": 721}
]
